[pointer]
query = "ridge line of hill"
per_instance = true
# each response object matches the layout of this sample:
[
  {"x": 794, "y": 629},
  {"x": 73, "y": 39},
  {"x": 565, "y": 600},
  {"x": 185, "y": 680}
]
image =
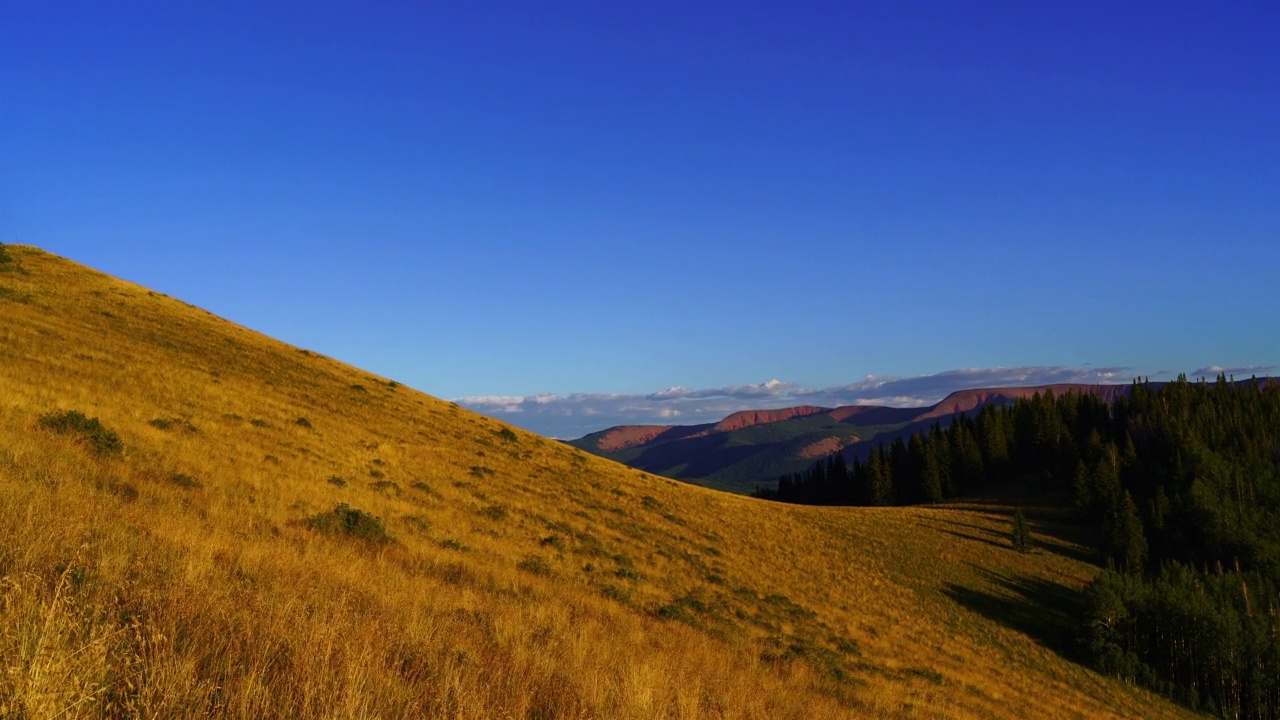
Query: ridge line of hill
[{"x": 750, "y": 447}]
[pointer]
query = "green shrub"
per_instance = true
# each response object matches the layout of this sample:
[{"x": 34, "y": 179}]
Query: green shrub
[
  {"x": 628, "y": 574},
  {"x": 101, "y": 440},
  {"x": 171, "y": 423},
  {"x": 126, "y": 491},
  {"x": 507, "y": 435},
  {"x": 185, "y": 481},
  {"x": 534, "y": 565},
  {"x": 335, "y": 480},
  {"x": 303, "y": 422},
  {"x": 613, "y": 592},
  {"x": 675, "y": 612},
  {"x": 495, "y": 512},
  {"x": 346, "y": 520}
]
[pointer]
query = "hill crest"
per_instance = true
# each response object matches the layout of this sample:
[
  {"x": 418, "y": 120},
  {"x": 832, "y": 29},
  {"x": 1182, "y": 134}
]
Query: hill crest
[{"x": 222, "y": 559}]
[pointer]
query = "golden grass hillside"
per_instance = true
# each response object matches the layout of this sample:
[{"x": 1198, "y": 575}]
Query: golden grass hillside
[{"x": 190, "y": 571}]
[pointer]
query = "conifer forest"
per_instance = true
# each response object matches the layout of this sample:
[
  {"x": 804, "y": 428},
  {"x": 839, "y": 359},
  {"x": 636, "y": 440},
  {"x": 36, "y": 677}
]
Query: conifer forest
[{"x": 1181, "y": 482}]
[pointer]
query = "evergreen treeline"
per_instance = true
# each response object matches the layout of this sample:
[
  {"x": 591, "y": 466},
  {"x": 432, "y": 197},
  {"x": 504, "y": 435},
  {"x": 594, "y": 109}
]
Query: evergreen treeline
[{"x": 1184, "y": 482}]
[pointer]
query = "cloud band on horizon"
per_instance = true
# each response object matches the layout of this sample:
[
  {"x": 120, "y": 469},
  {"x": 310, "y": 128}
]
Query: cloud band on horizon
[{"x": 576, "y": 414}]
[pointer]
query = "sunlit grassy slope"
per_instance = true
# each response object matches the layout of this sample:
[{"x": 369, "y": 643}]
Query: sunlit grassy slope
[{"x": 526, "y": 578}]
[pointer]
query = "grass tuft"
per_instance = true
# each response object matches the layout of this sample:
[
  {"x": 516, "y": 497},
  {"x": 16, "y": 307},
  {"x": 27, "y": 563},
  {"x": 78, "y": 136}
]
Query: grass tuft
[
  {"x": 534, "y": 565},
  {"x": 183, "y": 480}
]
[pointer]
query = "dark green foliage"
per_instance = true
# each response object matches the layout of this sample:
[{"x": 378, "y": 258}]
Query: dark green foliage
[
  {"x": 185, "y": 481},
  {"x": 167, "y": 424},
  {"x": 676, "y": 611},
  {"x": 1182, "y": 480},
  {"x": 258, "y": 423},
  {"x": 303, "y": 422},
  {"x": 335, "y": 480},
  {"x": 627, "y": 573},
  {"x": 72, "y": 422},
  {"x": 1021, "y": 534},
  {"x": 359, "y": 388},
  {"x": 613, "y": 592},
  {"x": 507, "y": 435},
  {"x": 1123, "y": 543},
  {"x": 350, "y": 522},
  {"x": 534, "y": 565},
  {"x": 1206, "y": 639},
  {"x": 126, "y": 491}
]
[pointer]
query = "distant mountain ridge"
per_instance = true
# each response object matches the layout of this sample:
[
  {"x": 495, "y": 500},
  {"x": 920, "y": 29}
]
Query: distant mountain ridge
[{"x": 752, "y": 447}]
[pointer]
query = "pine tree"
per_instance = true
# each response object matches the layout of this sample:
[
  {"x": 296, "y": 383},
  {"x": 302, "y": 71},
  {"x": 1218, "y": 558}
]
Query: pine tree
[
  {"x": 1021, "y": 535},
  {"x": 879, "y": 478},
  {"x": 1124, "y": 543}
]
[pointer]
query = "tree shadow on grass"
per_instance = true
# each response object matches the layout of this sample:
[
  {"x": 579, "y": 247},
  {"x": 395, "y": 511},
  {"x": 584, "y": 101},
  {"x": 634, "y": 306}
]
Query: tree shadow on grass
[
  {"x": 975, "y": 538},
  {"x": 1050, "y": 529},
  {"x": 1044, "y": 611}
]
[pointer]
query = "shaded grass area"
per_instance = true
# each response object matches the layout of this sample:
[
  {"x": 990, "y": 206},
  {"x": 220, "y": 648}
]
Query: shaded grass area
[{"x": 1043, "y": 610}]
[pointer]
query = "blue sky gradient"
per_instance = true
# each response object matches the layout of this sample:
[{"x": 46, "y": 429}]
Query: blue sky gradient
[{"x": 515, "y": 199}]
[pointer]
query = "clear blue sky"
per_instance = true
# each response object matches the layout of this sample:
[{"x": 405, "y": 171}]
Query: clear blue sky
[{"x": 521, "y": 198}]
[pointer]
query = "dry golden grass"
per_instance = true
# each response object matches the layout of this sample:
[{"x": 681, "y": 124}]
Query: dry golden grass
[{"x": 525, "y": 580}]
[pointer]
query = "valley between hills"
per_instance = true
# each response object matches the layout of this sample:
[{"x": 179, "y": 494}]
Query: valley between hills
[
  {"x": 201, "y": 521},
  {"x": 751, "y": 449}
]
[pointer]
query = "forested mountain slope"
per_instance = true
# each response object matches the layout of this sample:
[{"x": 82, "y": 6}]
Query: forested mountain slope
[
  {"x": 1181, "y": 483},
  {"x": 752, "y": 448}
]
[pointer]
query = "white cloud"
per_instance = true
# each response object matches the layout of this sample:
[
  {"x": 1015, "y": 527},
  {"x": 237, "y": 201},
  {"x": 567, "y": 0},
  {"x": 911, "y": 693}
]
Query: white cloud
[
  {"x": 577, "y": 414},
  {"x": 1240, "y": 373}
]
